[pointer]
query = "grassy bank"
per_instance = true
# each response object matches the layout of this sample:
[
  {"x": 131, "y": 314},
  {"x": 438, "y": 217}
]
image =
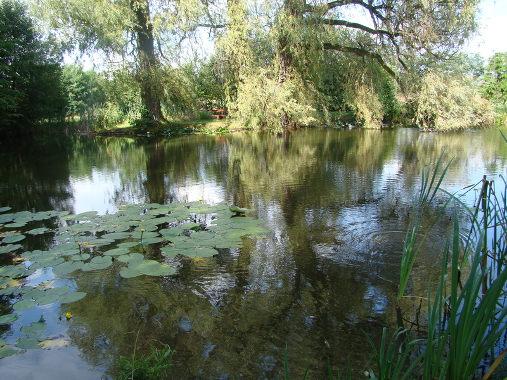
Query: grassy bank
[{"x": 172, "y": 128}]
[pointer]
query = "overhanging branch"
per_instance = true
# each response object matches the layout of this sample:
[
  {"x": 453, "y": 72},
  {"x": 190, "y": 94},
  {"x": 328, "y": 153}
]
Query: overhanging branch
[
  {"x": 356, "y": 25},
  {"x": 374, "y": 9},
  {"x": 364, "y": 53}
]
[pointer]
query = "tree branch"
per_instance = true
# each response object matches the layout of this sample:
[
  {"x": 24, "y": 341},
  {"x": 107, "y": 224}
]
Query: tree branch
[
  {"x": 361, "y": 52},
  {"x": 211, "y": 26},
  {"x": 362, "y": 27},
  {"x": 340, "y": 3}
]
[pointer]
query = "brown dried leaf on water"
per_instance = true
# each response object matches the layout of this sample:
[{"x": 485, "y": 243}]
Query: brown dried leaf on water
[{"x": 50, "y": 344}]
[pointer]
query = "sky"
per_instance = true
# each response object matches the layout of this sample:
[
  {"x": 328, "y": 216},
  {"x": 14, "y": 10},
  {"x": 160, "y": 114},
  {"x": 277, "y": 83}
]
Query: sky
[{"x": 491, "y": 35}]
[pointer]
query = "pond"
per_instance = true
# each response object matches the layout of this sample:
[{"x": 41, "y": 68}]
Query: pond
[{"x": 335, "y": 206}]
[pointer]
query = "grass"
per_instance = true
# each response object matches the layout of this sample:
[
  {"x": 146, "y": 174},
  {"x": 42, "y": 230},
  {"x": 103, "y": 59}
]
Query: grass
[
  {"x": 172, "y": 128},
  {"x": 153, "y": 366}
]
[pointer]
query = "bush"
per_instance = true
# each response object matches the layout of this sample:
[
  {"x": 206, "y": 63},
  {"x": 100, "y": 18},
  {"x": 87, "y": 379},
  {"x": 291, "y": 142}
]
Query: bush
[
  {"x": 445, "y": 103},
  {"x": 262, "y": 101}
]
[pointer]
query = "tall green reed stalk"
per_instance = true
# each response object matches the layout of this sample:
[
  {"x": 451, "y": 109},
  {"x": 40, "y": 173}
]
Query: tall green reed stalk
[{"x": 466, "y": 315}]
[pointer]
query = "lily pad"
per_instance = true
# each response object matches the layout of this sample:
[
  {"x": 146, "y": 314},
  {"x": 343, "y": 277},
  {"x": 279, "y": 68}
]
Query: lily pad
[
  {"x": 6, "y": 351},
  {"x": 116, "y": 252},
  {"x": 27, "y": 343},
  {"x": 14, "y": 271},
  {"x": 98, "y": 263},
  {"x": 7, "y": 319},
  {"x": 15, "y": 225},
  {"x": 72, "y": 297},
  {"x": 153, "y": 240},
  {"x": 9, "y": 248},
  {"x": 13, "y": 239},
  {"x": 82, "y": 257},
  {"x": 146, "y": 267},
  {"x": 131, "y": 258},
  {"x": 67, "y": 267},
  {"x": 35, "y": 329},
  {"x": 24, "y": 304},
  {"x": 39, "y": 231},
  {"x": 116, "y": 235},
  {"x": 129, "y": 244},
  {"x": 144, "y": 235},
  {"x": 4, "y": 209},
  {"x": 54, "y": 343}
]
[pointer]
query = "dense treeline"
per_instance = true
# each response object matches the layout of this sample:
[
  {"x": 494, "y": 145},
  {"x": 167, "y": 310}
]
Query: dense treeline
[
  {"x": 272, "y": 65},
  {"x": 30, "y": 73}
]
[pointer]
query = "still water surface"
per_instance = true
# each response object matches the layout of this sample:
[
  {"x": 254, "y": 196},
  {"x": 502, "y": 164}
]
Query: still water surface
[{"x": 336, "y": 203}]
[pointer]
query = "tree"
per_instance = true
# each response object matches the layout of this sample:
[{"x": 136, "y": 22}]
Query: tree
[
  {"x": 135, "y": 31},
  {"x": 495, "y": 79},
  {"x": 308, "y": 38},
  {"x": 83, "y": 91},
  {"x": 30, "y": 88}
]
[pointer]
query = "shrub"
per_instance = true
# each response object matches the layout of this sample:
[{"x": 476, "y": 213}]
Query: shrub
[
  {"x": 445, "y": 103},
  {"x": 262, "y": 101}
]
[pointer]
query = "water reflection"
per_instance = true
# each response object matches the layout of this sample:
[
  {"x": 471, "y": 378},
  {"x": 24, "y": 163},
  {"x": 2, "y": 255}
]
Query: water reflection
[{"x": 335, "y": 201}]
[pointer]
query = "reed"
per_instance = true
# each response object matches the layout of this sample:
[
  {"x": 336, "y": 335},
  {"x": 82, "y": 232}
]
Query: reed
[{"x": 466, "y": 315}]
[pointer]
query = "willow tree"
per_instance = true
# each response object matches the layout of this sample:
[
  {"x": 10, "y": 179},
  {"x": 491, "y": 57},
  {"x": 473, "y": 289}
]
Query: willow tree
[
  {"x": 397, "y": 36},
  {"x": 137, "y": 32}
]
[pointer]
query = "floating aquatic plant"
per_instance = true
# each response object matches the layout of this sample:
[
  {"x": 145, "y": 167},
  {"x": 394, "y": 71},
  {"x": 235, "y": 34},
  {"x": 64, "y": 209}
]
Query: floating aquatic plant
[{"x": 118, "y": 242}]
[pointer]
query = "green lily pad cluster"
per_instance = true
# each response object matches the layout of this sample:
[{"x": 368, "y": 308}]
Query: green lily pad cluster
[
  {"x": 31, "y": 337},
  {"x": 121, "y": 241}
]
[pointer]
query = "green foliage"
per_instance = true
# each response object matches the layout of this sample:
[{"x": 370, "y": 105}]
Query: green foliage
[
  {"x": 207, "y": 84},
  {"x": 262, "y": 100},
  {"x": 394, "y": 356},
  {"x": 122, "y": 101},
  {"x": 447, "y": 103},
  {"x": 30, "y": 89},
  {"x": 466, "y": 314},
  {"x": 495, "y": 80},
  {"x": 84, "y": 92},
  {"x": 153, "y": 366}
]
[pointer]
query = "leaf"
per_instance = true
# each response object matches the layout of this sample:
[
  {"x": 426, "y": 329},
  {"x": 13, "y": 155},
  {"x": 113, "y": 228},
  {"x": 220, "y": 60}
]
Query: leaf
[
  {"x": 72, "y": 297},
  {"x": 98, "y": 263},
  {"x": 27, "y": 343},
  {"x": 6, "y": 351},
  {"x": 67, "y": 267},
  {"x": 14, "y": 271},
  {"x": 129, "y": 244},
  {"x": 24, "y": 304},
  {"x": 54, "y": 343},
  {"x": 116, "y": 235},
  {"x": 7, "y": 319},
  {"x": 153, "y": 240},
  {"x": 131, "y": 258},
  {"x": 15, "y": 225},
  {"x": 146, "y": 267},
  {"x": 116, "y": 252},
  {"x": 154, "y": 268},
  {"x": 9, "y": 248},
  {"x": 39, "y": 231},
  {"x": 35, "y": 329},
  {"x": 200, "y": 252},
  {"x": 82, "y": 257},
  {"x": 129, "y": 273}
]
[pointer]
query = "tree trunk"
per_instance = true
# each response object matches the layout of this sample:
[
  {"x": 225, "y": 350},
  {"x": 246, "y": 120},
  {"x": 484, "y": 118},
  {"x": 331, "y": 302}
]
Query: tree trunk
[
  {"x": 148, "y": 61},
  {"x": 155, "y": 178},
  {"x": 285, "y": 58}
]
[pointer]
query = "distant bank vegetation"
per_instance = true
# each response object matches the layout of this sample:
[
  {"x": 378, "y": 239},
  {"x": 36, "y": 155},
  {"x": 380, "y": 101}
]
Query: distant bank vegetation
[{"x": 274, "y": 67}]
